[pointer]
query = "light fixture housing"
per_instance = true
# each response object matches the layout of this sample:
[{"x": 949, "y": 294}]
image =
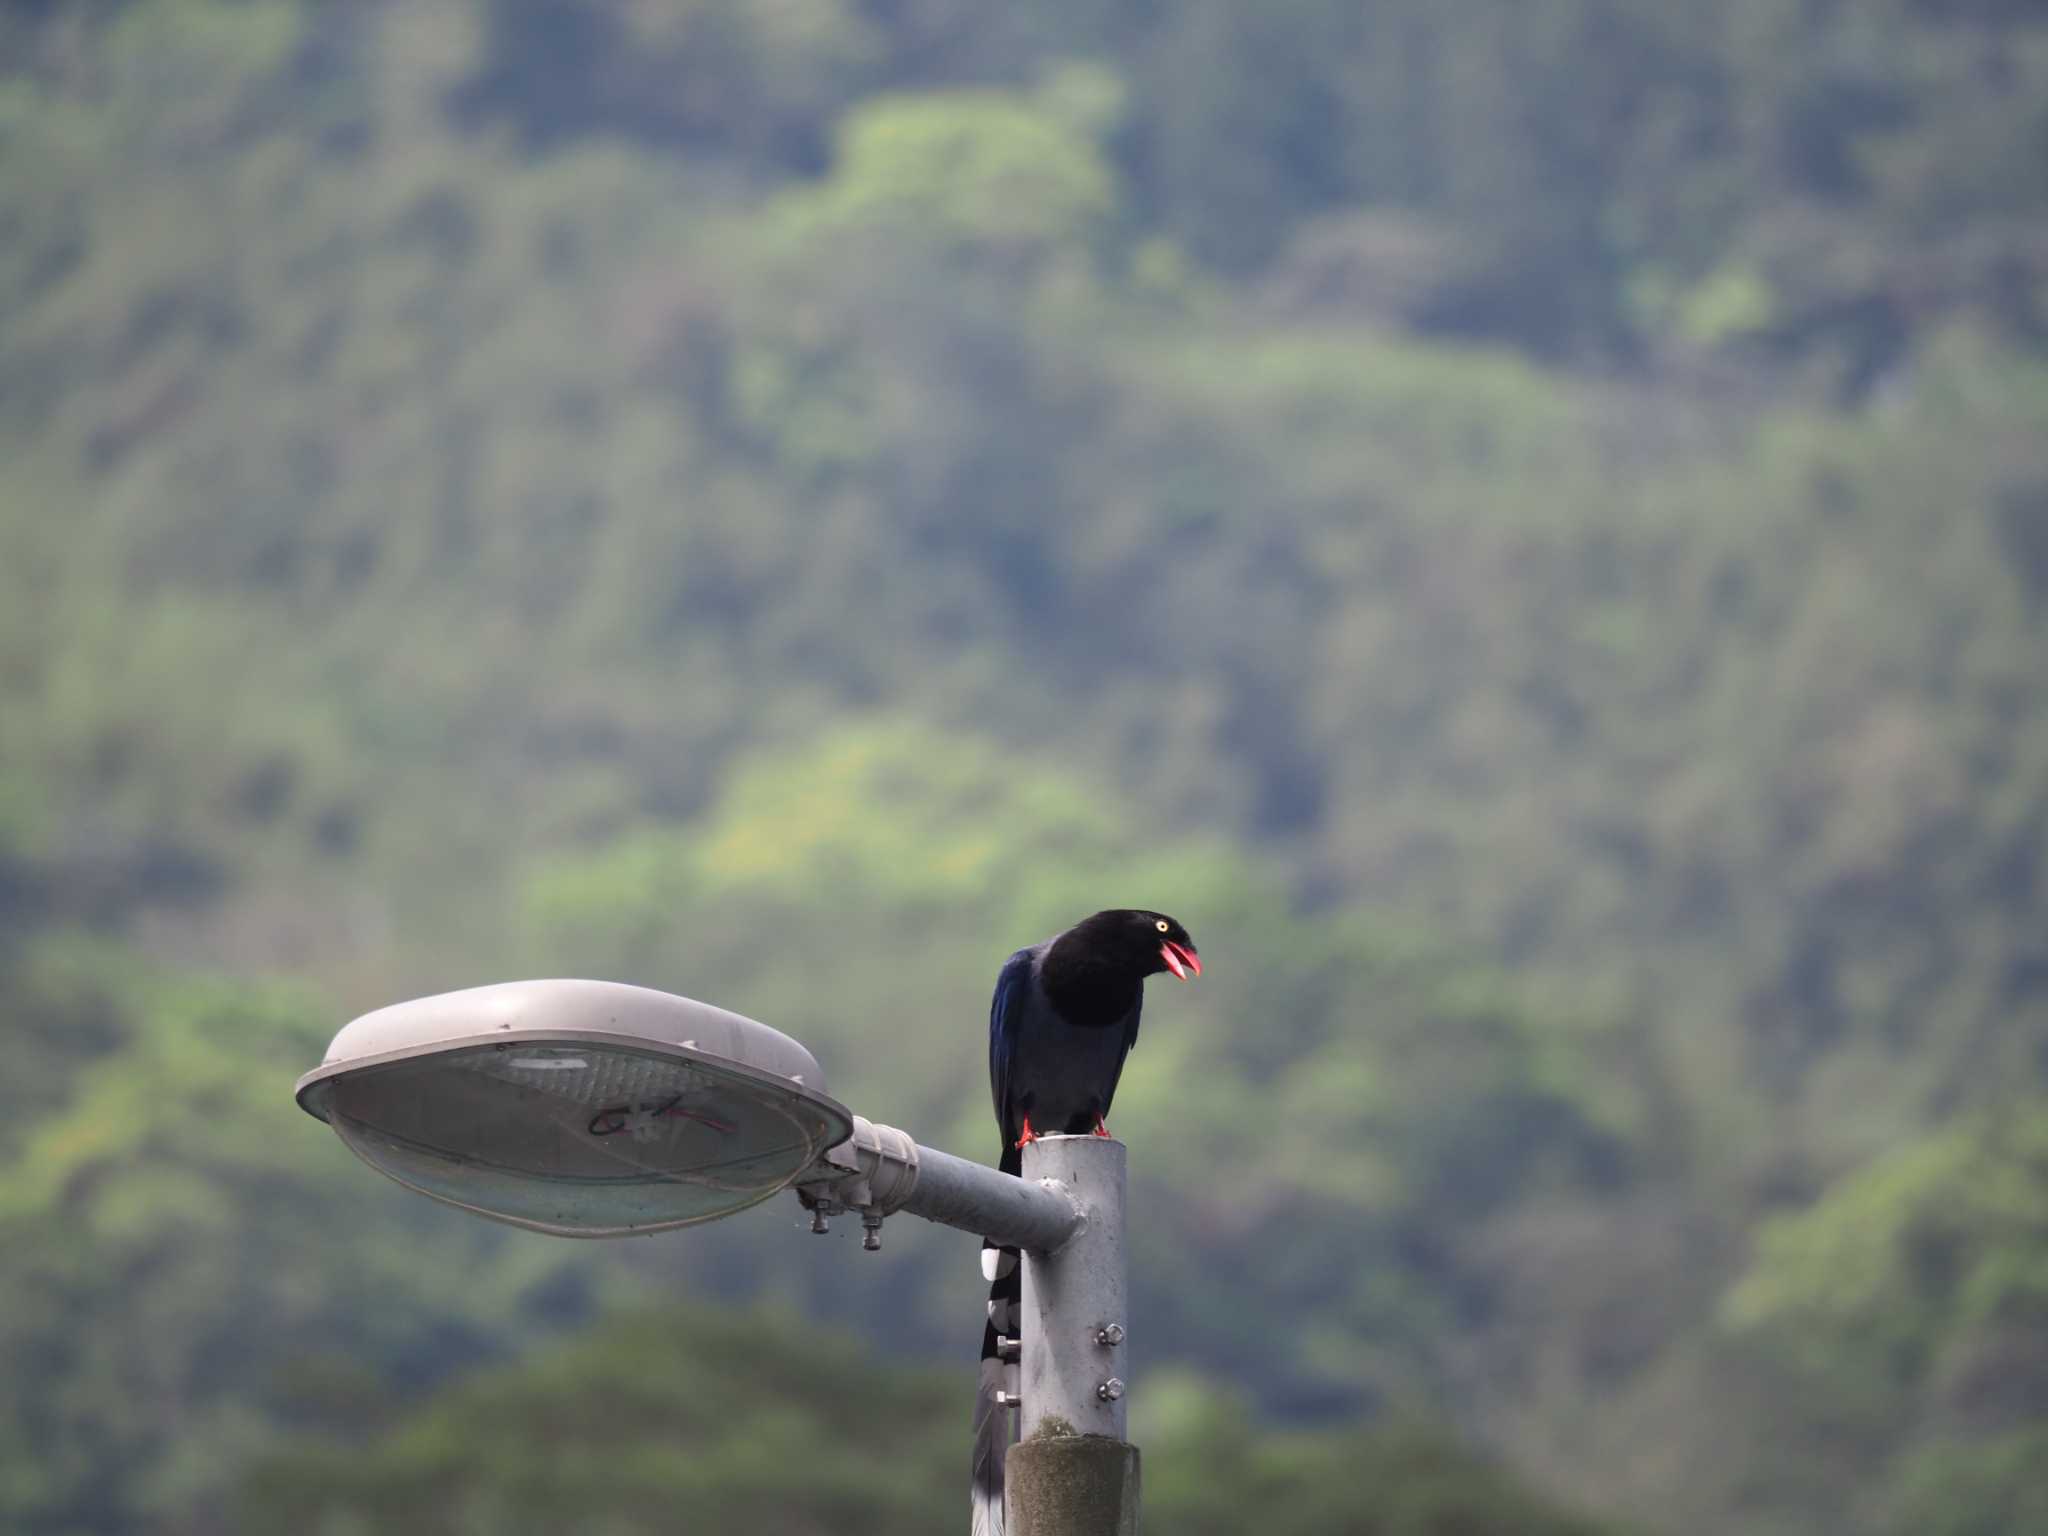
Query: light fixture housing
[{"x": 578, "y": 1108}]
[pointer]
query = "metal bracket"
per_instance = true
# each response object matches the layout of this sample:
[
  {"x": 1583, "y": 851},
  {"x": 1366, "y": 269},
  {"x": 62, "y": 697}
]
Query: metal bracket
[{"x": 879, "y": 1169}]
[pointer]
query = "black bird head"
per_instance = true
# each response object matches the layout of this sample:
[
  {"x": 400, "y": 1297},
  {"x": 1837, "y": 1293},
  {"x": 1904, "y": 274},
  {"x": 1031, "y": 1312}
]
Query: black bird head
[{"x": 1144, "y": 942}]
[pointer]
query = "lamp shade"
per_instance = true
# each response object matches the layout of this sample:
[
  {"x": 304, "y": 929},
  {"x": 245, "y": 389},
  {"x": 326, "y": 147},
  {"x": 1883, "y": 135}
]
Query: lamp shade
[{"x": 580, "y": 1108}]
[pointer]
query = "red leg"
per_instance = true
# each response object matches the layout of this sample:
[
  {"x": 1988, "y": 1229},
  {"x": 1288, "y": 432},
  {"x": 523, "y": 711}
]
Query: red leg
[
  {"x": 1029, "y": 1134},
  {"x": 1100, "y": 1128}
]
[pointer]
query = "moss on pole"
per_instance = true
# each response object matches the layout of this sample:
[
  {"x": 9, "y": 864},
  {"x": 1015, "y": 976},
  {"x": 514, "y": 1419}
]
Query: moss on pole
[{"x": 1071, "y": 1485}]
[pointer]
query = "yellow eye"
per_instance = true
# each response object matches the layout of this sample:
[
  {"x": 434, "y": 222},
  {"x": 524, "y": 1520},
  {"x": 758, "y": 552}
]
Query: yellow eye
[{"x": 1161, "y": 925}]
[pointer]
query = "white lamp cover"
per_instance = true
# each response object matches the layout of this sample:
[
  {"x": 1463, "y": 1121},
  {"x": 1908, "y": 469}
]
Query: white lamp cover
[{"x": 579, "y": 1108}]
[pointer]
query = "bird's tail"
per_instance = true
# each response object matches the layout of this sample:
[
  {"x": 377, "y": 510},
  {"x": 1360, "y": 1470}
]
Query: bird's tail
[{"x": 995, "y": 1425}]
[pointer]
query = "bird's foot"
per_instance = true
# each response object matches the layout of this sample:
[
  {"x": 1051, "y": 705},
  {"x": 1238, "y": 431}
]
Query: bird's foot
[
  {"x": 1029, "y": 1134},
  {"x": 1100, "y": 1129}
]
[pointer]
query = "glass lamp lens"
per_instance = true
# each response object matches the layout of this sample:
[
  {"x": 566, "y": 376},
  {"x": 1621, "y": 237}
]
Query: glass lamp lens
[{"x": 581, "y": 1139}]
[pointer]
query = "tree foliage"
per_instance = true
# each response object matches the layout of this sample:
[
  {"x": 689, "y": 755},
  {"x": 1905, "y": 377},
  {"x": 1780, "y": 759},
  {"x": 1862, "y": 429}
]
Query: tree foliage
[
  {"x": 752, "y": 1422},
  {"x": 1523, "y": 524}
]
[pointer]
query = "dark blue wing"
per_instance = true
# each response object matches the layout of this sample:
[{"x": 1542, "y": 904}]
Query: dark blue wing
[
  {"x": 1129, "y": 1029},
  {"x": 1005, "y": 1016}
]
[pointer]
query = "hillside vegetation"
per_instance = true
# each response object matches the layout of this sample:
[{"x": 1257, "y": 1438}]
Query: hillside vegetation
[{"x": 1524, "y": 524}]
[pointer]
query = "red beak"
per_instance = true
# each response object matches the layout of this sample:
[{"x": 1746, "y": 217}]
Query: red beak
[{"x": 1180, "y": 959}]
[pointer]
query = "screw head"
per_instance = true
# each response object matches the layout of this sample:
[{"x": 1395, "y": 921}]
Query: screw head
[
  {"x": 1110, "y": 1390},
  {"x": 1111, "y": 1336}
]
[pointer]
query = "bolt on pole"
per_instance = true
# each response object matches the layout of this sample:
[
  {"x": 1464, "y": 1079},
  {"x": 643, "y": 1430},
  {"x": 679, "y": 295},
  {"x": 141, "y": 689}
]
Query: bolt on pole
[{"x": 1073, "y": 1473}]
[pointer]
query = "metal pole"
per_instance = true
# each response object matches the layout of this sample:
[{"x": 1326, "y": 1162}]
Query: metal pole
[{"x": 1073, "y": 1473}]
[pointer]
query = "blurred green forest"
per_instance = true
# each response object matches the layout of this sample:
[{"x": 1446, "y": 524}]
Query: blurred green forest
[{"x": 1523, "y": 522}]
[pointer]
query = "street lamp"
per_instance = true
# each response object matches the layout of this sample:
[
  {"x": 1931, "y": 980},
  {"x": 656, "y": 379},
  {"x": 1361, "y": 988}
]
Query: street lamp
[{"x": 595, "y": 1109}]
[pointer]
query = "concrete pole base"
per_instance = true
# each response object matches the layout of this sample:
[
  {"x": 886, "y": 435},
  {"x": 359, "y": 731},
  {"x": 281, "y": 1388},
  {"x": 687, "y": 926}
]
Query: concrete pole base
[{"x": 1071, "y": 1485}]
